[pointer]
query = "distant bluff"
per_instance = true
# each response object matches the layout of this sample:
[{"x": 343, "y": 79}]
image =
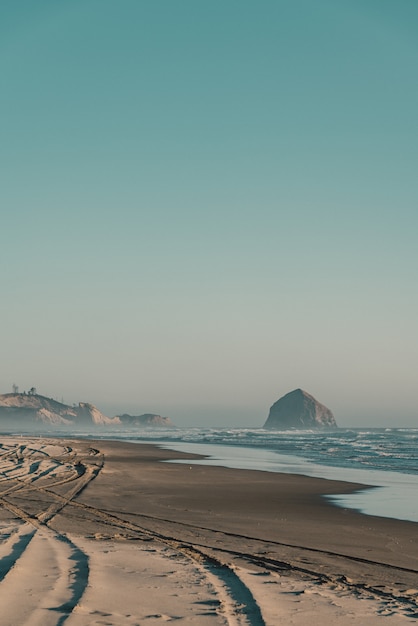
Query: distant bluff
[
  {"x": 298, "y": 409},
  {"x": 30, "y": 410},
  {"x": 26, "y": 410},
  {"x": 147, "y": 419}
]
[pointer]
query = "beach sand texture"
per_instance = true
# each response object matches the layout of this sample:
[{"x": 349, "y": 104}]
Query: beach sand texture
[{"x": 105, "y": 533}]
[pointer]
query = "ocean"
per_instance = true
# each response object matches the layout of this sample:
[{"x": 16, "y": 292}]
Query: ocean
[{"x": 386, "y": 459}]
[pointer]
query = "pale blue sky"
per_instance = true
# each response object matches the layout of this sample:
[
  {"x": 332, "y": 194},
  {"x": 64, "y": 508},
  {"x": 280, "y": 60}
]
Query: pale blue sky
[{"x": 206, "y": 204}]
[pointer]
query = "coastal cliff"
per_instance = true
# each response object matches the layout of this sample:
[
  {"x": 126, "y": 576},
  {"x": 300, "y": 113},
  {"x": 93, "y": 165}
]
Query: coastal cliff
[
  {"x": 30, "y": 411},
  {"x": 147, "y": 419}
]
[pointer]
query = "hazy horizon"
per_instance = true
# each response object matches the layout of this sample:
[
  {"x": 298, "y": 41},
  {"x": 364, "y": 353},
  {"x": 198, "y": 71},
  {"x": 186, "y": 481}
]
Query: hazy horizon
[
  {"x": 207, "y": 205},
  {"x": 245, "y": 416}
]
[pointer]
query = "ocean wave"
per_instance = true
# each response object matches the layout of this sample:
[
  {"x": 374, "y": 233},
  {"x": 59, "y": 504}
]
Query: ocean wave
[{"x": 391, "y": 449}]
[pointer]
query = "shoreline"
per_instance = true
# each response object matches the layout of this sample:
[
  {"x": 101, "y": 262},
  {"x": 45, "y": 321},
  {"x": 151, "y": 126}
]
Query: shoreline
[
  {"x": 381, "y": 488},
  {"x": 266, "y": 542}
]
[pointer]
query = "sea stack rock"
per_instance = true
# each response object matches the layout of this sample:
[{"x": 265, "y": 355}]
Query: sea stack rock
[{"x": 298, "y": 409}]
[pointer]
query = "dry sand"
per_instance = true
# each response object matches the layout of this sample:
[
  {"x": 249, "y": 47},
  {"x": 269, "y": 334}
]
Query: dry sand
[{"x": 104, "y": 533}]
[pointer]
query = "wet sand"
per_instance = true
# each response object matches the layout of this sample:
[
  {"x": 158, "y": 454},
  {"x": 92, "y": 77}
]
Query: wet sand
[{"x": 105, "y": 533}]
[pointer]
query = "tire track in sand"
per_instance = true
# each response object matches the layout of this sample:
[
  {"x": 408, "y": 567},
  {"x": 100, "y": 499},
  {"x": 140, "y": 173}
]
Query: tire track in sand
[
  {"x": 52, "y": 589},
  {"x": 56, "y": 590},
  {"x": 36, "y": 561}
]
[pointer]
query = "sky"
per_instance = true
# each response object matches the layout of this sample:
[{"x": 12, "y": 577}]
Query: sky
[{"x": 207, "y": 204}]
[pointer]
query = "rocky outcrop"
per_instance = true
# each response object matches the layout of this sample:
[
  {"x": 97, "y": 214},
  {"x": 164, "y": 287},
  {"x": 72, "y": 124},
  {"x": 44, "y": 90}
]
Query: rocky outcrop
[
  {"x": 89, "y": 414},
  {"x": 298, "y": 409},
  {"x": 147, "y": 419},
  {"x": 25, "y": 411}
]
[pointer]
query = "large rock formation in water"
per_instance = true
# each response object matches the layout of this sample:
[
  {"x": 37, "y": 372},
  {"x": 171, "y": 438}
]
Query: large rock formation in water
[{"x": 298, "y": 409}]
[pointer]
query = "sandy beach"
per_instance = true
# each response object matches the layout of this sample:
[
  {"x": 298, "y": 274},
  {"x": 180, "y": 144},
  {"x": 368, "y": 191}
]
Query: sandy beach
[{"x": 105, "y": 533}]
